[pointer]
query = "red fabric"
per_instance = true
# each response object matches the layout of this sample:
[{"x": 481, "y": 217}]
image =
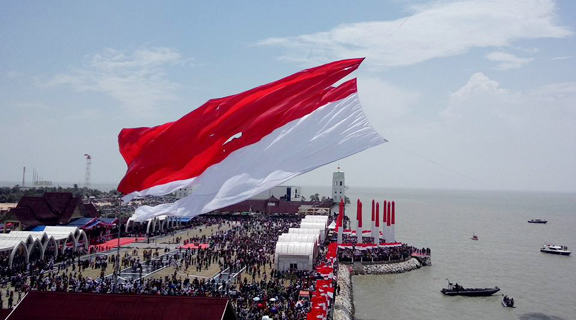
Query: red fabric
[
  {"x": 384, "y": 211},
  {"x": 42, "y": 305},
  {"x": 360, "y": 215},
  {"x": 377, "y": 214},
  {"x": 187, "y": 147},
  {"x": 388, "y": 221},
  {"x": 114, "y": 243},
  {"x": 193, "y": 246}
]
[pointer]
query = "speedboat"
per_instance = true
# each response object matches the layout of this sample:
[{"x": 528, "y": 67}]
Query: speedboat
[
  {"x": 537, "y": 221},
  {"x": 508, "y": 302},
  {"x": 474, "y": 237},
  {"x": 550, "y": 248},
  {"x": 458, "y": 290}
]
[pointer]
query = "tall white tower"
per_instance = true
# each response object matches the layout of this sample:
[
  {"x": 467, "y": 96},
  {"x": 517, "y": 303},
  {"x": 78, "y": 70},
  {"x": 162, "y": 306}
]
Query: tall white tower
[
  {"x": 338, "y": 186},
  {"x": 87, "y": 173}
]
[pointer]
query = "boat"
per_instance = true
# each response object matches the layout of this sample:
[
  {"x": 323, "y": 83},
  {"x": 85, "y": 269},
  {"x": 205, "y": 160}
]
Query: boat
[
  {"x": 458, "y": 290},
  {"x": 508, "y": 302},
  {"x": 474, "y": 237},
  {"x": 550, "y": 248},
  {"x": 537, "y": 221}
]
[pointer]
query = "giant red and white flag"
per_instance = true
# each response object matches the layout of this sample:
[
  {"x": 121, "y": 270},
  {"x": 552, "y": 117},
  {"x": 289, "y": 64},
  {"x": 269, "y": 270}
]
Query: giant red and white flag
[{"x": 233, "y": 148}]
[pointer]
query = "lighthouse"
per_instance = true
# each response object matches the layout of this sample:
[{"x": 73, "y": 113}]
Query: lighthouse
[{"x": 338, "y": 189}]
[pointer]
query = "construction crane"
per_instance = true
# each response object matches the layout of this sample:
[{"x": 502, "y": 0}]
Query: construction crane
[{"x": 87, "y": 174}]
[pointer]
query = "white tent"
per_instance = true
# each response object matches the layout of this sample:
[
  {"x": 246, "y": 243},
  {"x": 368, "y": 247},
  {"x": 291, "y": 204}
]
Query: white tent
[
  {"x": 61, "y": 233},
  {"x": 316, "y": 219},
  {"x": 294, "y": 255},
  {"x": 313, "y": 225},
  {"x": 294, "y": 237},
  {"x": 304, "y": 231},
  {"x": 301, "y": 238}
]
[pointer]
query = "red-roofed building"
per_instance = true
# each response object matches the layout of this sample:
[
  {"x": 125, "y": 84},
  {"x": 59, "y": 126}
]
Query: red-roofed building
[
  {"x": 42, "y": 305},
  {"x": 51, "y": 209}
]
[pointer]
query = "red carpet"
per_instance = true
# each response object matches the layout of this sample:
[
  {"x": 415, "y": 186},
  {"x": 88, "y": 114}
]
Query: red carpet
[
  {"x": 193, "y": 246},
  {"x": 114, "y": 243}
]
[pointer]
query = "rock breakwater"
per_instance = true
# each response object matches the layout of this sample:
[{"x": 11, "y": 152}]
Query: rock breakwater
[
  {"x": 344, "y": 304},
  {"x": 401, "y": 267}
]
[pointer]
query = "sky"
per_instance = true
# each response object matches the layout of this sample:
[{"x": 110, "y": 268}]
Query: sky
[{"x": 470, "y": 94}]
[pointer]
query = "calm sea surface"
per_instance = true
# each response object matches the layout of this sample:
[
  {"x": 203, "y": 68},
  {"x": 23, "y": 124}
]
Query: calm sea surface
[{"x": 507, "y": 255}]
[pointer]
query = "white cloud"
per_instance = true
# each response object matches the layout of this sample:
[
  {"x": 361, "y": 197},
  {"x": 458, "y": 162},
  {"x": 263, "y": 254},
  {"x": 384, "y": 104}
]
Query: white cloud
[
  {"x": 136, "y": 79},
  {"x": 445, "y": 28},
  {"x": 507, "y": 60},
  {"x": 562, "y": 58},
  {"x": 512, "y": 139},
  {"x": 384, "y": 99}
]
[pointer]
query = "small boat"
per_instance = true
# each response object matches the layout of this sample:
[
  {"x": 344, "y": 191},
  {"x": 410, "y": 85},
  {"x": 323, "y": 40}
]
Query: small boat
[
  {"x": 458, "y": 290},
  {"x": 508, "y": 302},
  {"x": 474, "y": 237},
  {"x": 537, "y": 221},
  {"x": 550, "y": 248}
]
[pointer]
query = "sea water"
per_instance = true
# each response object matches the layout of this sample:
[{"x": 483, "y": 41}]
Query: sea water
[{"x": 506, "y": 255}]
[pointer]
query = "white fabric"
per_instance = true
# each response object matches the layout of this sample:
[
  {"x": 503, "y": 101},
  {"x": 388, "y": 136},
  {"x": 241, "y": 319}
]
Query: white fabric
[
  {"x": 293, "y": 237},
  {"x": 294, "y": 248},
  {"x": 330, "y": 133}
]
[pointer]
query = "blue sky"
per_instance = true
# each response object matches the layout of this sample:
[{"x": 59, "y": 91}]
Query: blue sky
[{"x": 471, "y": 94}]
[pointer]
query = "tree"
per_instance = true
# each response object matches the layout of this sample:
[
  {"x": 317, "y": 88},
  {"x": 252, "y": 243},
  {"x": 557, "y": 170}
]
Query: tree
[
  {"x": 315, "y": 197},
  {"x": 324, "y": 198},
  {"x": 302, "y": 198}
]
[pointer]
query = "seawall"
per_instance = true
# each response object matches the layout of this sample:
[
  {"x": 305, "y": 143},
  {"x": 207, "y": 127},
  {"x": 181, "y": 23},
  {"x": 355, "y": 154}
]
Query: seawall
[{"x": 344, "y": 303}]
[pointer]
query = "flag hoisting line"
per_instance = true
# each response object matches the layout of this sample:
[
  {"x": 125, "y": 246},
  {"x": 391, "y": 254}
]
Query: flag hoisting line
[{"x": 231, "y": 149}]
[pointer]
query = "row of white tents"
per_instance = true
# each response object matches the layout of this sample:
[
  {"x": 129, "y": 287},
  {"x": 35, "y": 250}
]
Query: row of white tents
[
  {"x": 159, "y": 223},
  {"x": 298, "y": 248},
  {"x": 53, "y": 240}
]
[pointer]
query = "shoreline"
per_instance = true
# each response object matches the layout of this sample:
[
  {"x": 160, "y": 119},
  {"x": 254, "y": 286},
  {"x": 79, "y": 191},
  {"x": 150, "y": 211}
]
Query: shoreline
[{"x": 344, "y": 302}]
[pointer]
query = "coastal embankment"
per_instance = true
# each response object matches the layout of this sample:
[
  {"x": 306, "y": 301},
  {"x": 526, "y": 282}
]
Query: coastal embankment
[{"x": 344, "y": 303}]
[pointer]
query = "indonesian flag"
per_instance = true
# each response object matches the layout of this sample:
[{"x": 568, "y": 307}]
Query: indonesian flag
[{"x": 231, "y": 149}]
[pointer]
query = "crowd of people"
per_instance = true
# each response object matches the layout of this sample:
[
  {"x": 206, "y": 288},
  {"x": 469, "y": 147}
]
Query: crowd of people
[
  {"x": 242, "y": 247},
  {"x": 239, "y": 248},
  {"x": 379, "y": 254}
]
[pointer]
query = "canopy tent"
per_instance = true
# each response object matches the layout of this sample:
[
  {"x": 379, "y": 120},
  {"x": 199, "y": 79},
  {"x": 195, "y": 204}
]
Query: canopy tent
[
  {"x": 316, "y": 217},
  {"x": 321, "y": 227},
  {"x": 315, "y": 220},
  {"x": 293, "y": 255},
  {"x": 64, "y": 232},
  {"x": 14, "y": 247},
  {"x": 305, "y": 231},
  {"x": 293, "y": 237},
  {"x": 301, "y": 238}
]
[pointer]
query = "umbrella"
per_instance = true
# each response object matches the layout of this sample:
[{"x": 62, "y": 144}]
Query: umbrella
[
  {"x": 273, "y": 299},
  {"x": 256, "y": 299}
]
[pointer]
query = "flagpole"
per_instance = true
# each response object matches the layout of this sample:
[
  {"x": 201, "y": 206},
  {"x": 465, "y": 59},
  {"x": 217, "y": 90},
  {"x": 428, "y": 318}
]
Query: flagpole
[{"x": 117, "y": 264}]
